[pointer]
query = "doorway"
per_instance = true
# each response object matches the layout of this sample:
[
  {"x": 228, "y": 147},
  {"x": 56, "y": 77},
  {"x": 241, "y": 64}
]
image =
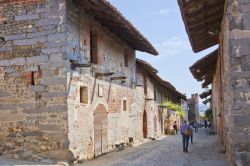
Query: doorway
[{"x": 100, "y": 130}]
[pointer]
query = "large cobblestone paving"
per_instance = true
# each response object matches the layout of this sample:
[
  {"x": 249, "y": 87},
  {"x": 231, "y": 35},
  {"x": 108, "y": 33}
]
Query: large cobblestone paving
[{"x": 166, "y": 152}]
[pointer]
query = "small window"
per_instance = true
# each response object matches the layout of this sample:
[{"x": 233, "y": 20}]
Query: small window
[
  {"x": 126, "y": 60},
  {"x": 100, "y": 90},
  {"x": 83, "y": 95},
  {"x": 32, "y": 78},
  {"x": 124, "y": 105},
  {"x": 93, "y": 47}
]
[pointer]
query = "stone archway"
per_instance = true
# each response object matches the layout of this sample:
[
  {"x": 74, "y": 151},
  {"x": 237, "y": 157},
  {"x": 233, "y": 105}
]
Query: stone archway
[
  {"x": 145, "y": 125},
  {"x": 100, "y": 130}
]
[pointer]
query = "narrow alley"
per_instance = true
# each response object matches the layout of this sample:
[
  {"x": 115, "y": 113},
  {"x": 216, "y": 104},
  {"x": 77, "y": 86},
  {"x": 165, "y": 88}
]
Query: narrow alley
[
  {"x": 79, "y": 79},
  {"x": 167, "y": 152}
]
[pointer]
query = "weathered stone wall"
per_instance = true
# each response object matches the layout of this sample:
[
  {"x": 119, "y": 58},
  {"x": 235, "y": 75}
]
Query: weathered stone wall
[
  {"x": 111, "y": 59},
  {"x": 32, "y": 76},
  {"x": 136, "y": 115},
  {"x": 217, "y": 103},
  {"x": 150, "y": 104},
  {"x": 235, "y": 41}
]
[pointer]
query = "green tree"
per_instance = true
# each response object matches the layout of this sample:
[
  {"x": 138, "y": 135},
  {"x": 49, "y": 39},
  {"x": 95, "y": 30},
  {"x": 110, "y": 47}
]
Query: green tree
[
  {"x": 209, "y": 114},
  {"x": 174, "y": 107}
]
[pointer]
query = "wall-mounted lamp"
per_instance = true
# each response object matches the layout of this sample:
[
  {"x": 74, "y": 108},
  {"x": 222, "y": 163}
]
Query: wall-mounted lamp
[{"x": 219, "y": 115}]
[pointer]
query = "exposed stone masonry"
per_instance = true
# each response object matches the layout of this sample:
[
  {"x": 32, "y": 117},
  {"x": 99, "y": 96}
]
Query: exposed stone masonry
[
  {"x": 232, "y": 79},
  {"x": 42, "y": 111},
  {"x": 32, "y": 77}
]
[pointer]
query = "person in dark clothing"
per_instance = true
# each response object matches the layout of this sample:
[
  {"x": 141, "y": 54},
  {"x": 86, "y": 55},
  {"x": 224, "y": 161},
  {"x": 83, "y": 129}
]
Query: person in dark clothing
[
  {"x": 205, "y": 123},
  {"x": 175, "y": 127},
  {"x": 185, "y": 135},
  {"x": 195, "y": 127},
  {"x": 191, "y": 125}
]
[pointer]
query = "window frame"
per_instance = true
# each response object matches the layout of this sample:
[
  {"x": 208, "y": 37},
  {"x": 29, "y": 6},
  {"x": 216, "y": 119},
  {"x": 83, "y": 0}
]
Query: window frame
[
  {"x": 84, "y": 100},
  {"x": 124, "y": 105}
]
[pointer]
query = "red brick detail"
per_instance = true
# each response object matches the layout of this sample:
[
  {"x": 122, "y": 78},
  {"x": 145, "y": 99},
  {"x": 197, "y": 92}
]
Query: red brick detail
[
  {"x": 100, "y": 130},
  {"x": 29, "y": 78},
  {"x": 116, "y": 98}
]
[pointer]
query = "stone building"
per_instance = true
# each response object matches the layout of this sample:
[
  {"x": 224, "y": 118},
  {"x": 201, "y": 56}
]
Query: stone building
[
  {"x": 67, "y": 74},
  {"x": 184, "y": 104},
  {"x": 157, "y": 91},
  {"x": 226, "y": 23},
  {"x": 193, "y": 108},
  {"x": 68, "y": 80}
]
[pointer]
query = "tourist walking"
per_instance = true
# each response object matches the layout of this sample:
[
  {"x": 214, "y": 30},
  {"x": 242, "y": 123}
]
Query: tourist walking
[
  {"x": 175, "y": 127},
  {"x": 186, "y": 133}
]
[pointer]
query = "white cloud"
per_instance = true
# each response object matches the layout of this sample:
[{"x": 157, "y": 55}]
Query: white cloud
[
  {"x": 164, "y": 12},
  {"x": 173, "y": 45}
]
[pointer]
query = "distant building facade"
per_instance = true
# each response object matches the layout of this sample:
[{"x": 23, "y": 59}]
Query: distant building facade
[{"x": 193, "y": 108}]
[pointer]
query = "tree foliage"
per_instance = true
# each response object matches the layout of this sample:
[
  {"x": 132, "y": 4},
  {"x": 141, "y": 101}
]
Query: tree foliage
[
  {"x": 209, "y": 114},
  {"x": 179, "y": 111}
]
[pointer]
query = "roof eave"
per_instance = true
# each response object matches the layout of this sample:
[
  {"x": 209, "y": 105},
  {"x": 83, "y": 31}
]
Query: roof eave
[{"x": 98, "y": 8}]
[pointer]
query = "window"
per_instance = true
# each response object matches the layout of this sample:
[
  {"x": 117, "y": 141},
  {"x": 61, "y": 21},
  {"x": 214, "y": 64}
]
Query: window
[
  {"x": 93, "y": 47},
  {"x": 126, "y": 60},
  {"x": 32, "y": 78},
  {"x": 100, "y": 90},
  {"x": 83, "y": 95},
  {"x": 124, "y": 105}
]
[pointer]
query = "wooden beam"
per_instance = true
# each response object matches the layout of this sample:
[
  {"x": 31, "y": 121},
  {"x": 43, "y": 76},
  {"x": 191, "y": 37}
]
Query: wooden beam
[
  {"x": 75, "y": 65},
  {"x": 149, "y": 99},
  {"x": 118, "y": 78},
  {"x": 104, "y": 74}
]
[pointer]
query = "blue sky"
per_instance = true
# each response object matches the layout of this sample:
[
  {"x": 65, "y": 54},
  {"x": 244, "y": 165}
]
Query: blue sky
[{"x": 161, "y": 23}]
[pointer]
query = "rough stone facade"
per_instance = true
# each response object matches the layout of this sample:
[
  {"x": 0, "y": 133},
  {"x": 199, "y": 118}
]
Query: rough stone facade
[
  {"x": 150, "y": 103},
  {"x": 48, "y": 106},
  {"x": 217, "y": 102},
  {"x": 33, "y": 83},
  {"x": 231, "y": 94},
  {"x": 111, "y": 59}
]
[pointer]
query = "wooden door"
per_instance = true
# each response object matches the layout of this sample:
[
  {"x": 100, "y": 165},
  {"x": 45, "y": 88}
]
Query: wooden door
[{"x": 100, "y": 130}]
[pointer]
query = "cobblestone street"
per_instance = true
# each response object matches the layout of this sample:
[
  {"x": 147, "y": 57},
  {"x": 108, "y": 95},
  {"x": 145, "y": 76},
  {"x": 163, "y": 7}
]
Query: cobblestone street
[{"x": 166, "y": 152}]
